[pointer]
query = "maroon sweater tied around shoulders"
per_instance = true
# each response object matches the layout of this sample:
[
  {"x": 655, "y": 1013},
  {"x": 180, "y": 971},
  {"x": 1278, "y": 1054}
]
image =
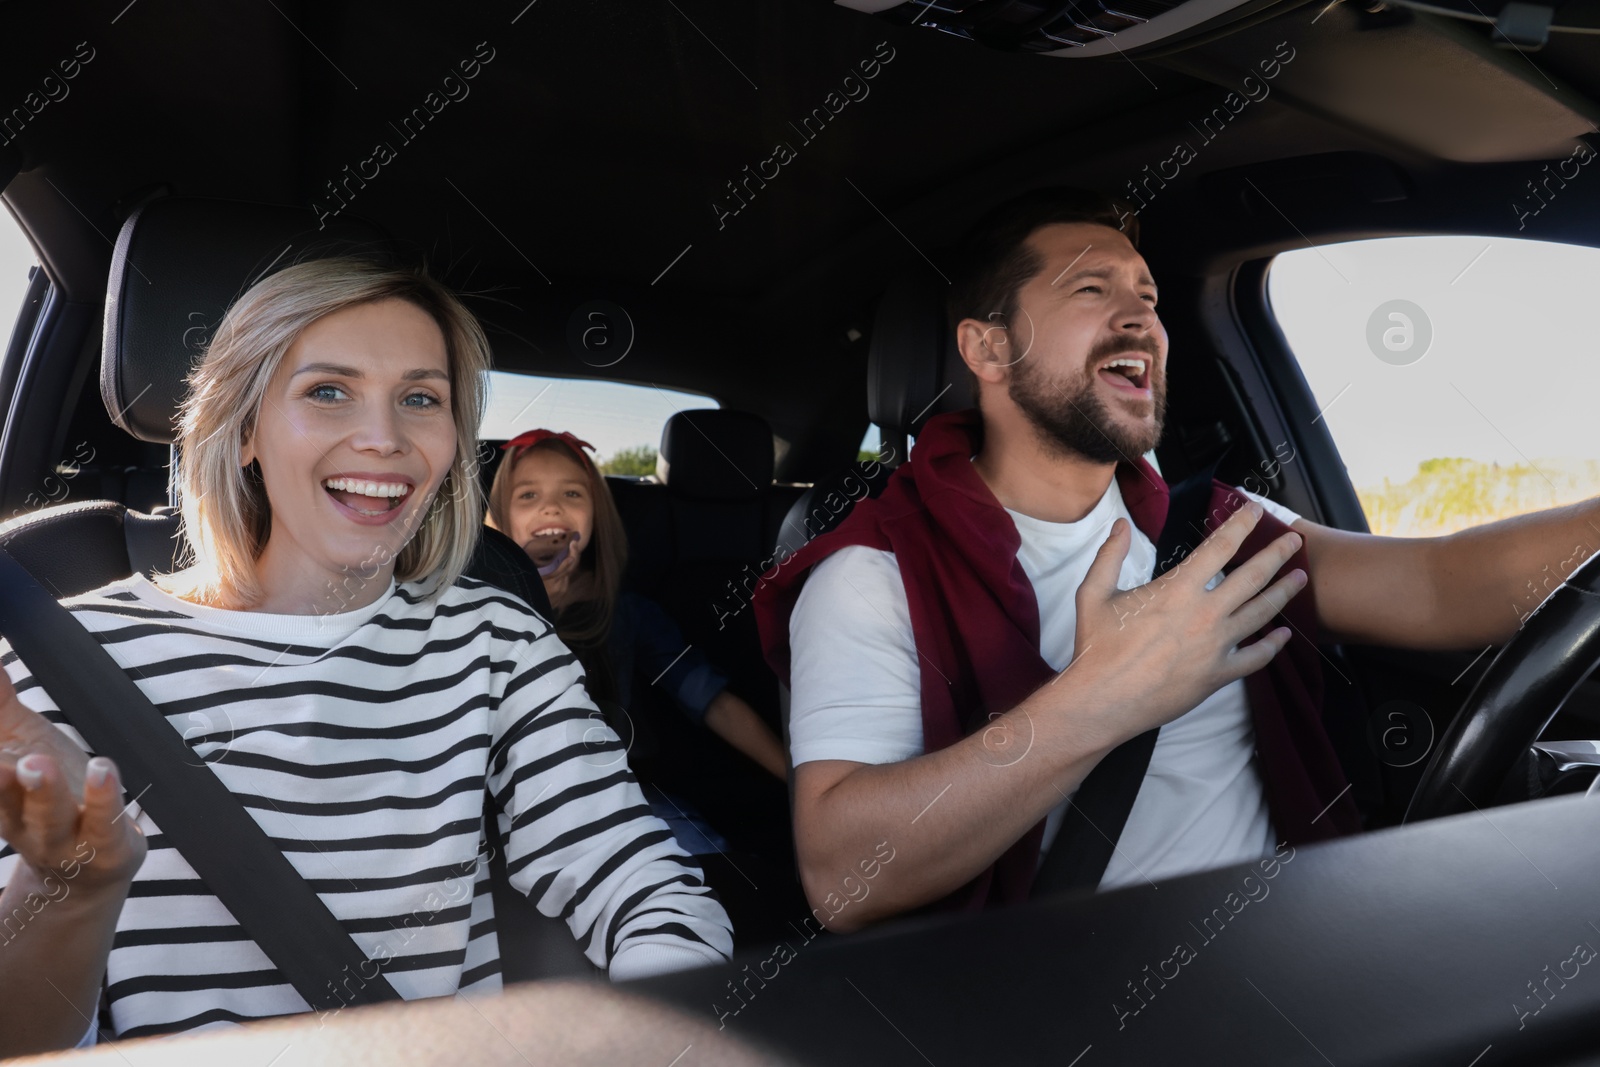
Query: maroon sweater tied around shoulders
[{"x": 976, "y": 625}]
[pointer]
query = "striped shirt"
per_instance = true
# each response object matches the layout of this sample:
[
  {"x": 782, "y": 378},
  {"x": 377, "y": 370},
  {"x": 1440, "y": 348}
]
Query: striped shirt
[{"x": 361, "y": 742}]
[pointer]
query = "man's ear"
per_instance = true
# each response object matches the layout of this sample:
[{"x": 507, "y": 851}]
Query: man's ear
[{"x": 987, "y": 347}]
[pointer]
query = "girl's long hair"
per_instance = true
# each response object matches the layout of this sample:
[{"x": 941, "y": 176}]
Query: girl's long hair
[{"x": 583, "y": 625}]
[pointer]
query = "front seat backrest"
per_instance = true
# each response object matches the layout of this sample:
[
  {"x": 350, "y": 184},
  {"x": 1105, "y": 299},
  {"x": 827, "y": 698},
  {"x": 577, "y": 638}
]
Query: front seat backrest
[
  {"x": 717, "y": 466},
  {"x": 177, "y": 265},
  {"x": 914, "y": 372}
]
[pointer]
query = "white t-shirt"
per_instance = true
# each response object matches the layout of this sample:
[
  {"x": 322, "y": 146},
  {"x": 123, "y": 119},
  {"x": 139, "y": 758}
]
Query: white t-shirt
[{"x": 856, "y": 694}]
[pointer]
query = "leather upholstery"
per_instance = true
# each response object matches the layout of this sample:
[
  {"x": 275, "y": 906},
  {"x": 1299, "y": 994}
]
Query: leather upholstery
[
  {"x": 500, "y": 561},
  {"x": 913, "y": 373},
  {"x": 73, "y": 548},
  {"x": 711, "y": 454},
  {"x": 913, "y": 368},
  {"x": 700, "y": 542},
  {"x": 825, "y": 504},
  {"x": 179, "y": 262},
  {"x": 697, "y": 547}
]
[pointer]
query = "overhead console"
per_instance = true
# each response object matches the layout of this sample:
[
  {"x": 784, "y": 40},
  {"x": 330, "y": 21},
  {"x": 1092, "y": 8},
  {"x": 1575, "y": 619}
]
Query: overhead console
[
  {"x": 1081, "y": 28},
  {"x": 1072, "y": 28}
]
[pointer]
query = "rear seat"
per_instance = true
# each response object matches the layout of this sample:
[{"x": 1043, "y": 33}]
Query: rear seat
[
  {"x": 699, "y": 538},
  {"x": 698, "y": 541},
  {"x": 716, "y": 466}
]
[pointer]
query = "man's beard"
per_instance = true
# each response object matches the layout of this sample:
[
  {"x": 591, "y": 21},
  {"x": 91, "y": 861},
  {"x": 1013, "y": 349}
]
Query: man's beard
[{"x": 1076, "y": 423}]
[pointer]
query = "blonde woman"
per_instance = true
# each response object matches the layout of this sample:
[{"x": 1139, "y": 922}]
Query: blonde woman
[{"x": 325, "y": 656}]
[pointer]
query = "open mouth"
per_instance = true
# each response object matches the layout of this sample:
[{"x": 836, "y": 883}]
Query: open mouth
[
  {"x": 1129, "y": 374},
  {"x": 368, "y": 498},
  {"x": 547, "y": 545}
]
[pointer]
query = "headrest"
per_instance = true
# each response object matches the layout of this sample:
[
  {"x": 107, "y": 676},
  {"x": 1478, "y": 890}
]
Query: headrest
[
  {"x": 716, "y": 454},
  {"x": 179, "y": 263},
  {"x": 914, "y": 370}
]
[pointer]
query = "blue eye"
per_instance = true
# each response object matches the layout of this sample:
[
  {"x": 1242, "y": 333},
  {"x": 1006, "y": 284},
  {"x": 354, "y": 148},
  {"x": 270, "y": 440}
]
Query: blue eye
[
  {"x": 428, "y": 400},
  {"x": 321, "y": 392}
]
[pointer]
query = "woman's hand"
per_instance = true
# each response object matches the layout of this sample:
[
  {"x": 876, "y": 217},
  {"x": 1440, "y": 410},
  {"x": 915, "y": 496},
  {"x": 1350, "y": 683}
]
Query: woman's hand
[
  {"x": 63, "y": 813},
  {"x": 60, "y": 810}
]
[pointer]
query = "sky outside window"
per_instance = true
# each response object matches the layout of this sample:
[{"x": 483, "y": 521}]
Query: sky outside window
[
  {"x": 1495, "y": 416},
  {"x": 16, "y": 256},
  {"x": 612, "y": 416}
]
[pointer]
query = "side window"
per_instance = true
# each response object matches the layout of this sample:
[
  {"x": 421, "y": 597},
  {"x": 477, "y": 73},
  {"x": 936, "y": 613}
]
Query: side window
[
  {"x": 16, "y": 260},
  {"x": 1456, "y": 375},
  {"x": 622, "y": 420},
  {"x": 871, "y": 444},
  {"x": 16, "y": 264}
]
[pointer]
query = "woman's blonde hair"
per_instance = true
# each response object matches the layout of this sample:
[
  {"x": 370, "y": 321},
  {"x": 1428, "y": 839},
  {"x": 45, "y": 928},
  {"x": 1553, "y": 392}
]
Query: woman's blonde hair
[{"x": 226, "y": 514}]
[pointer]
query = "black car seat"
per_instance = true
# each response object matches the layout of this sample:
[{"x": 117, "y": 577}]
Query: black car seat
[
  {"x": 702, "y": 532},
  {"x": 179, "y": 263},
  {"x": 717, "y": 469},
  {"x": 914, "y": 372}
]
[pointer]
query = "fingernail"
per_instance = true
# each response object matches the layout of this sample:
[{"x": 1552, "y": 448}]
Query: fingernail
[
  {"x": 1255, "y": 509},
  {"x": 30, "y": 771},
  {"x": 99, "y": 771}
]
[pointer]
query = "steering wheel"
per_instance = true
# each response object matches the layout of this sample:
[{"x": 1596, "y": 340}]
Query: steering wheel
[{"x": 1524, "y": 687}]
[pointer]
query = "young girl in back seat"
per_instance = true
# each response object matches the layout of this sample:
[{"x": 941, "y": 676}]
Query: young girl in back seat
[
  {"x": 550, "y": 498},
  {"x": 326, "y": 659}
]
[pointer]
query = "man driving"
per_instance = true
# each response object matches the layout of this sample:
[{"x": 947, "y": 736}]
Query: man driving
[{"x": 965, "y": 650}]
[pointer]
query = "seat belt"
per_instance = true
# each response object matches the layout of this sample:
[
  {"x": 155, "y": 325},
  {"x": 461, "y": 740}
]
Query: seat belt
[
  {"x": 1098, "y": 811},
  {"x": 206, "y": 823}
]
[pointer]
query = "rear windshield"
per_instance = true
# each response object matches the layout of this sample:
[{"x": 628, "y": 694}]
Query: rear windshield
[{"x": 622, "y": 420}]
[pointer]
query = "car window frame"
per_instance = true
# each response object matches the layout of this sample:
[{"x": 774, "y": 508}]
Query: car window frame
[{"x": 1276, "y": 399}]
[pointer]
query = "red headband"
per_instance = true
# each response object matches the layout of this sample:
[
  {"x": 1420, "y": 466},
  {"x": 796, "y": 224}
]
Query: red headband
[{"x": 533, "y": 437}]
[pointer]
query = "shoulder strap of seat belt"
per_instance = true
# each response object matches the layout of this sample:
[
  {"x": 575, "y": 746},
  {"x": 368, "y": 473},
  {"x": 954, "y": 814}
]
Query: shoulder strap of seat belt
[
  {"x": 196, "y": 812},
  {"x": 1095, "y": 817}
]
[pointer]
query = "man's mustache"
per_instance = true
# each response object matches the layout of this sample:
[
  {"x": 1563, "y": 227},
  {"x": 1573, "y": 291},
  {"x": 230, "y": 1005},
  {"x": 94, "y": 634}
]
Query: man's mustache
[
  {"x": 1125, "y": 346},
  {"x": 1119, "y": 346}
]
